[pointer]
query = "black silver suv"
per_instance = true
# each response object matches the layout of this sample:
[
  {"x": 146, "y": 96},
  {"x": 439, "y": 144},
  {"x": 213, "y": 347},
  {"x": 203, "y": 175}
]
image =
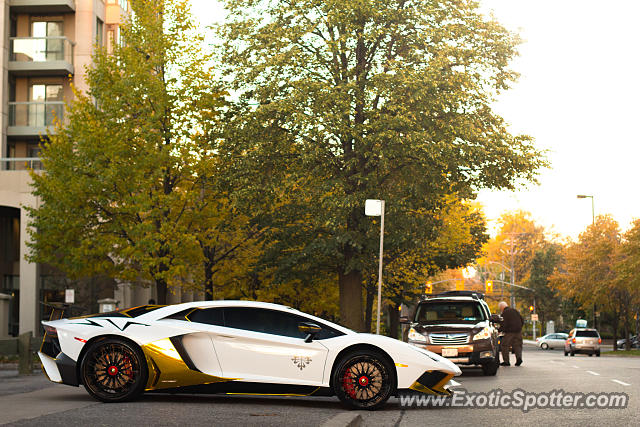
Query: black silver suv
[{"x": 459, "y": 326}]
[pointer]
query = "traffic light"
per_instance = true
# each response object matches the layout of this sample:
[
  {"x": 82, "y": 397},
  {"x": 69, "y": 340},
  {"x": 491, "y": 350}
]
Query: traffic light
[
  {"x": 531, "y": 308},
  {"x": 428, "y": 289},
  {"x": 489, "y": 287},
  {"x": 459, "y": 285}
]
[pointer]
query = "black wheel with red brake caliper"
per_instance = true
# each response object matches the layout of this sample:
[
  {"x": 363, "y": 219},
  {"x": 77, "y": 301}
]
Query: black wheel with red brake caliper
[
  {"x": 114, "y": 370},
  {"x": 363, "y": 380}
]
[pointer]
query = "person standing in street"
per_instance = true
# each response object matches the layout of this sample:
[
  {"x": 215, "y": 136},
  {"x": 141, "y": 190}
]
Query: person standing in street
[{"x": 512, "y": 328}]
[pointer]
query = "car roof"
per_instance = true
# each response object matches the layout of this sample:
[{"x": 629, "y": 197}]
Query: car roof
[
  {"x": 176, "y": 308},
  {"x": 447, "y": 298}
]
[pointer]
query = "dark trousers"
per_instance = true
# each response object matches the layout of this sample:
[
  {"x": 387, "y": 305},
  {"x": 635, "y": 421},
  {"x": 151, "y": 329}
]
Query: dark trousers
[{"x": 511, "y": 340}]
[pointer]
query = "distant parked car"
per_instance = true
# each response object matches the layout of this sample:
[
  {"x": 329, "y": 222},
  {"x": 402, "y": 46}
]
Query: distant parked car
[
  {"x": 634, "y": 342},
  {"x": 555, "y": 340},
  {"x": 583, "y": 340}
]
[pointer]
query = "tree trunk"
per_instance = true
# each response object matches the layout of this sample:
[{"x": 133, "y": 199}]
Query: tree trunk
[
  {"x": 615, "y": 331},
  {"x": 394, "y": 321},
  {"x": 161, "y": 288},
  {"x": 350, "y": 285},
  {"x": 208, "y": 282},
  {"x": 368, "y": 309}
]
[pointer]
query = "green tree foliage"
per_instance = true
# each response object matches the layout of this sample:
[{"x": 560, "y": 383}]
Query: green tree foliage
[
  {"x": 549, "y": 302},
  {"x": 341, "y": 101},
  {"x": 119, "y": 180}
]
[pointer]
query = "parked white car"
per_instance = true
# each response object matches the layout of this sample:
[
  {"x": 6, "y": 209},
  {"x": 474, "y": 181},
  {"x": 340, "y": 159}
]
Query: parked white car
[
  {"x": 236, "y": 347},
  {"x": 555, "y": 340}
]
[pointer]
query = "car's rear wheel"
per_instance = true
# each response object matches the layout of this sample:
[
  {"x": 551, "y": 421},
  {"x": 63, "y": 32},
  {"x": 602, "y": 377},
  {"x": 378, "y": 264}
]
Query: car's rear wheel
[
  {"x": 363, "y": 380},
  {"x": 572, "y": 353},
  {"x": 114, "y": 370},
  {"x": 597, "y": 353},
  {"x": 544, "y": 346},
  {"x": 566, "y": 353}
]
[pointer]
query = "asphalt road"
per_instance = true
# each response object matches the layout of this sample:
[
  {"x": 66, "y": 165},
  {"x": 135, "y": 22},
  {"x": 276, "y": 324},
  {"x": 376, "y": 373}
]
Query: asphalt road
[{"x": 33, "y": 401}]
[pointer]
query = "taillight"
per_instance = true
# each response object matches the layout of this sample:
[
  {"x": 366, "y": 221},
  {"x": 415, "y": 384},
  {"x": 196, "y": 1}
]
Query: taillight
[
  {"x": 573, "y": 340},
  {"x": 51, "y": 331},
  {"x": 599, "y": 340}
]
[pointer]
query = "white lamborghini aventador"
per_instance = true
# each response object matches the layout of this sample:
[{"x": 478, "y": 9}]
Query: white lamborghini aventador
[{"x": 234, "y": 347}]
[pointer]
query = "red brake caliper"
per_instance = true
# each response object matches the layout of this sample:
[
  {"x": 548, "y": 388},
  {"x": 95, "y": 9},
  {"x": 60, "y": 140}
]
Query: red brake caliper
[{"x": 347, "y": 384}]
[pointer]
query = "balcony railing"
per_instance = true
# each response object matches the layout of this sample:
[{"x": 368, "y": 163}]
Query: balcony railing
[
  {"x": 33, "y": 117},
  {"x": 43, "y": 55},
  {"x": 20, "y": 163}
]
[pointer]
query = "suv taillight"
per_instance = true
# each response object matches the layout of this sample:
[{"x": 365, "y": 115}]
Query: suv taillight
[
  {"x": 599, "y": 340},
  {"x": 573, "y": 340}
]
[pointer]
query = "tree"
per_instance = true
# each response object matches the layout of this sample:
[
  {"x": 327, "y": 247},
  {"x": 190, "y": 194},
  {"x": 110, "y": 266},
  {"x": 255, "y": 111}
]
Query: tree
[
  {"x": 628, "y": 280},
  {"x": 119, "y": 177},
  {"x": 589, "y": 274},
  {"x": 374, "y": 99},
  {"x": 548, "y": 301}
]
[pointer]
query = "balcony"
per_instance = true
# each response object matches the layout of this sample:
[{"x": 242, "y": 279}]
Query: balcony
[
  {"x": 32, "y": 119},
  {"x": 20, "y": 163},
  {"x": 42, "y": 6},
  {"x": 41, "y": 56}
]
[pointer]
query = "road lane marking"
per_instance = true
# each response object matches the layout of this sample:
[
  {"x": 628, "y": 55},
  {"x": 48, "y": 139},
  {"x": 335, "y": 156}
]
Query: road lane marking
[
  {"x": 344, "y": 419},
  {"x": 620, "y": 382},
  {"x": 593, "y": 373}
]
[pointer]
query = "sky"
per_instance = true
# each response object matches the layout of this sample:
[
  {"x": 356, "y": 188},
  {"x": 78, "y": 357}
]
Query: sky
[{"x": 576, "y": 96}]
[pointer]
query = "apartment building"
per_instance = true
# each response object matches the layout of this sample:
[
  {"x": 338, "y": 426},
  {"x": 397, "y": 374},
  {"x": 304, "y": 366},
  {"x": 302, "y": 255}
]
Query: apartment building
[{"x": 46, "y": 46}]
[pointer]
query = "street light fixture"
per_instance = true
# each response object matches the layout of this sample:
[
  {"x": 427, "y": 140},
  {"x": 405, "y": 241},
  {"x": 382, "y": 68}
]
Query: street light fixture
[
  {"x": 376, "y": 208},
  {"x": 593, "y": 221}
]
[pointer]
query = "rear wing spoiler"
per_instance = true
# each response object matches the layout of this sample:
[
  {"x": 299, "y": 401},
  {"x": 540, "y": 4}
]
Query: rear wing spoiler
[{"x": 58, "y": 309}]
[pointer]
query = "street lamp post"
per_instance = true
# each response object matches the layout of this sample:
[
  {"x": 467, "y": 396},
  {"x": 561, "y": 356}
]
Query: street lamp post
[
  {"x": 376, "y": 208},
  {"x": 593, "y": 222}
]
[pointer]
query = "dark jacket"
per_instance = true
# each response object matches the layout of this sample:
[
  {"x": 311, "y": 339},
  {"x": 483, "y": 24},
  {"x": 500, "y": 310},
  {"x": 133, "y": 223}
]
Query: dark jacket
[{"x": 512, "y": 320}]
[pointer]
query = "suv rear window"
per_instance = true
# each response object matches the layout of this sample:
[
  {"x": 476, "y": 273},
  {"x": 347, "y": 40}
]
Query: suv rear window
[
  {"x": 432, "y": 312},
  {"x": 589, "y": 334}
]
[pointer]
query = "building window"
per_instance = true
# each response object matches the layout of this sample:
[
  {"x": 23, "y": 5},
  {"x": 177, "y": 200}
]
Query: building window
[
  {"x": 50, "y": 45},
  {"x": 99, "y": 32},
  {"x": 46, "y": 104}
]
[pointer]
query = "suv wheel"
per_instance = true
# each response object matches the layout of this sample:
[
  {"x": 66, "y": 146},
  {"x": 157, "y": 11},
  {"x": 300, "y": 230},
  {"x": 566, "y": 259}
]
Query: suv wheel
[{"x": 491, "y": 368}]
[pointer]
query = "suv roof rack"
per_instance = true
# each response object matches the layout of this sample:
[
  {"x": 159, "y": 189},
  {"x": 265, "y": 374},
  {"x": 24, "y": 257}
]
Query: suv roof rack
[{"x": 474, "y": 294}]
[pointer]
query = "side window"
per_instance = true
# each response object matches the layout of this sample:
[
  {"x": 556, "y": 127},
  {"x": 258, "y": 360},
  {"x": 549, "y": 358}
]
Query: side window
[
  {"x": 261, "y": 320},
  {"x": 271, "y": 322},
  {"x": 209, "y": 316}
]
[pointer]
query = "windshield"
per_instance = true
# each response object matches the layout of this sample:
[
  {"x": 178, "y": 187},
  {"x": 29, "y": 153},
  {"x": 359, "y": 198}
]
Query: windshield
[{"x": 449, "y": 311}]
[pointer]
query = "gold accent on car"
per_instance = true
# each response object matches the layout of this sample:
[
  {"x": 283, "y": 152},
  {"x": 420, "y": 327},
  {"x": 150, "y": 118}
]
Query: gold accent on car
[
  {"x": 401, "y": 365},
  {"x": 168, "y": 370},
  {"x": 436, "y": 389}
]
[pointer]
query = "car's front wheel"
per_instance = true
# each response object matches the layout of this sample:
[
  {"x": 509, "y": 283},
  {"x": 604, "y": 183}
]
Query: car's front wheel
[
  {"x": 491, "y": 368},
  {"x": 114, "y": 370},
  {"x": 363, "y": 380},
  {"x": 544, "y": 346}
]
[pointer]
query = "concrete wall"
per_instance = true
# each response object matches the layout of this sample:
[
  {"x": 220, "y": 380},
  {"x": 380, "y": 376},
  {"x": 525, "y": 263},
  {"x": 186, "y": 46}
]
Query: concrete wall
[{"x": 15, "y": 192}]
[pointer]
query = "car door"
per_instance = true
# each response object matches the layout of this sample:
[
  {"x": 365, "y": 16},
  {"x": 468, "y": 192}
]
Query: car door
[
  {"x": 555, "y": 341},
  {"x": 263, "y": 345}
]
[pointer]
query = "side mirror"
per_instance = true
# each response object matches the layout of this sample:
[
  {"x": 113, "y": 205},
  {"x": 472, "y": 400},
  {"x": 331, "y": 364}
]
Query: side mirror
[
  {"x": 495, "y": 318},
  {"x": 404, "y": 320},
  {"x": 311, "y": 329}
]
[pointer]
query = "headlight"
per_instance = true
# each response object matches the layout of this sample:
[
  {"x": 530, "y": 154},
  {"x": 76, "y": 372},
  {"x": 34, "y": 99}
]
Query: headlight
[
  {"x": 416, "y": 336},
  {"x": 482, "y": 335}
]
